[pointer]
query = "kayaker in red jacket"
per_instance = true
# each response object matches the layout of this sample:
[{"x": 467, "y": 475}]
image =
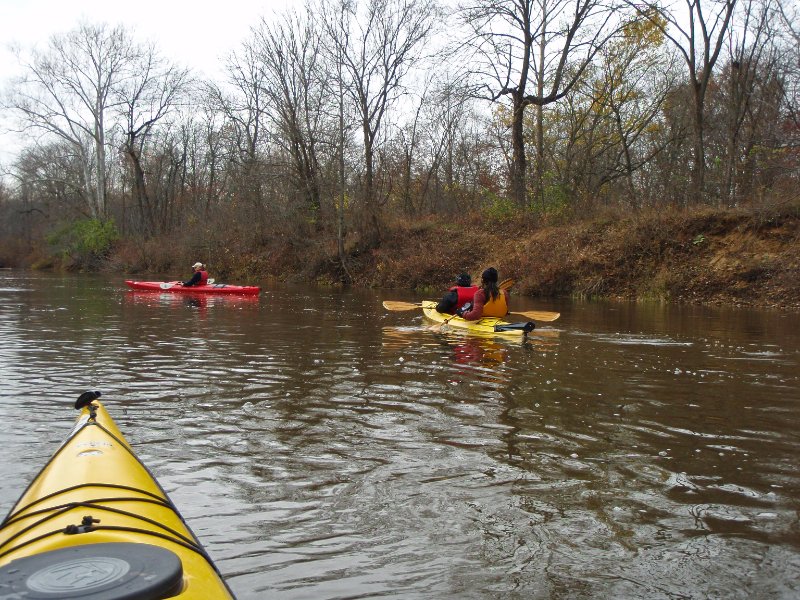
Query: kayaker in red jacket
[
  {"x": 489, "y": 300},
  {"x": 199, "y": 277},
  {"x": 458, "y": 295}
]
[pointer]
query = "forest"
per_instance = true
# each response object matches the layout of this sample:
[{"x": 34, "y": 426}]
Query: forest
[{"x": 363, "y": 141}]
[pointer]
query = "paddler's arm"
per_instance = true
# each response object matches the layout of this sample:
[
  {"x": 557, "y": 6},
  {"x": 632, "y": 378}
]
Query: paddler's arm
[
  {"x": 448, "y": 302},
  {"x": 194, "y": 280},
  {"x": 476, "y": 312}
]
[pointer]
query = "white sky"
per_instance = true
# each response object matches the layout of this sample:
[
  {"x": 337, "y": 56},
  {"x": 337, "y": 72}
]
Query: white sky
[{"x": 193, "y": 33}]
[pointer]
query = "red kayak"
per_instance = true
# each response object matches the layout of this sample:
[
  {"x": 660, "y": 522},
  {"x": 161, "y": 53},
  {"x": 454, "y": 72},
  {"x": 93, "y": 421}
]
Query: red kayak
[{"x": 177, "y": 287}]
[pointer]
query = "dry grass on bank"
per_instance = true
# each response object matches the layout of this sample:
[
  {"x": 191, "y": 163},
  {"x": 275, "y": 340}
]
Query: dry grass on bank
[{"x": 742, "y": 257}]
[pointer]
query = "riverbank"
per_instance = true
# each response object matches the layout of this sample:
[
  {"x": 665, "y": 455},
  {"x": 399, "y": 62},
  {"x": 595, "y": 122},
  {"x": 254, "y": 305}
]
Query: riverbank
[
  {"x": 733, "y": 257},
  {"x": 744, "y": 257}
]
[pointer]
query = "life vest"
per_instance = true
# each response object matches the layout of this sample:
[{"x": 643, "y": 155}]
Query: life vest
[
  {"x": 497, "y": 307},
  {"x": 465, "y": 294},
  {"x": 203, "y": 278}
]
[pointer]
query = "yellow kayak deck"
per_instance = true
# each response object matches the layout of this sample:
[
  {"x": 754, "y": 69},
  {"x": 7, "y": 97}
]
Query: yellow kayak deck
[
  {"x": 95, "y": 495},
  {"x": 493, "y": 326}
]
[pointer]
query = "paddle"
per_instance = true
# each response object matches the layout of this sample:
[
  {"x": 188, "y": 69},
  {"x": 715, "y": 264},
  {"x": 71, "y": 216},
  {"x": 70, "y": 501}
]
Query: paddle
[
  {"x": 400, "y": 305},
  {"x": 536, "y": 315},
  {"x": 506, "y": 283},
  {"x": 166, "y": 285},
  {"x": 533, "y": 315},
  {"x": 439, "y": 326}
]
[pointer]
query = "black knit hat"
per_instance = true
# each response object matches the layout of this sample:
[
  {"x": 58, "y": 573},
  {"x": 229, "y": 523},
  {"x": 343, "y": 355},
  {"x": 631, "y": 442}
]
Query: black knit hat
[
  {"x": 489, "y": 275},
  {"x": 464, "y": 280}
]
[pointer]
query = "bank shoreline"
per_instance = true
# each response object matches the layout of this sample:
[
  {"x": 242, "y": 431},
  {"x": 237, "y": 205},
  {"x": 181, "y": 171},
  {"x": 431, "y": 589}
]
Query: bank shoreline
[
  {"x": 724, "y": 257},
  {"x": 739, "y": 257}
]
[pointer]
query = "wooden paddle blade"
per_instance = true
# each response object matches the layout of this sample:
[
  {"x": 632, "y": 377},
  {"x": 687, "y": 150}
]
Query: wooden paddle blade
[
  {"x": 399, "y": 305},
  {"x": 506, "y": 283},
  {"x": 538, "y": 315}
]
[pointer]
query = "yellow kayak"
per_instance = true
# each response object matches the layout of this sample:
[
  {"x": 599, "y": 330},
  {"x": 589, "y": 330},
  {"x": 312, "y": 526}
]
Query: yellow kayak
[
  {"x": 95, "y": 523},
  {"x": 493, "y": 326}
]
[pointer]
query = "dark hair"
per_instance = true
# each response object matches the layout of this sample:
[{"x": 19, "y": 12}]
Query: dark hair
[
  {"x": 464, "y": 280},
  {"x": 489, "y": 282}
]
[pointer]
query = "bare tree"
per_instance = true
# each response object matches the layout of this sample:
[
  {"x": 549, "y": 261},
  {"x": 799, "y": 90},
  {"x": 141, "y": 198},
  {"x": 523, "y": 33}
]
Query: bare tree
[
  {"x": 752, "y": 65},
  {"x": 52, "y": 176},
  {"x": 246, "y": 111},
  {"x": 377, "y": 47},
  {"x": 336, "y": 39},
  {"x": 294, "y": 81},
  {"x": 618, "y": 103},
  {"x": 452, "y": 149},
  {"x": 67, "y": 92},
  {"x": 203, "y": 132},
  {"x": 790, "y": 19},
  {"x": 154, "y": 89},
  {"x": 698, "y": 33},
  {"x": 408, "y": 141},
  {"x": 546, "y": 43}
]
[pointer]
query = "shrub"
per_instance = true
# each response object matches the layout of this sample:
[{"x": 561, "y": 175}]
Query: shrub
[
  {"x": 84, "y": 243},
  {"x": 499, "y": 208}
]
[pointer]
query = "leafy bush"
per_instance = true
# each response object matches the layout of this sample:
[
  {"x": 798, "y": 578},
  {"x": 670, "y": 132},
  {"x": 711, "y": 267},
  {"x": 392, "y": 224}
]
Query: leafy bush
[
  {"x": 84, "y": 243},
  {"x": 499, "y": 208},
  {"x": 555, "y": 202}
]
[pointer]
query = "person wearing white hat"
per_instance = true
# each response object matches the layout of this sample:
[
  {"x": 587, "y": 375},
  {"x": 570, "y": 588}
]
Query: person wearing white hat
[{"x": 199, "y": 277}]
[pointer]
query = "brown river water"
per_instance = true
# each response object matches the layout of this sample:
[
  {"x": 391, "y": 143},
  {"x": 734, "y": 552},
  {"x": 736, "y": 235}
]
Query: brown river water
[{"x": 322, "y": 447}]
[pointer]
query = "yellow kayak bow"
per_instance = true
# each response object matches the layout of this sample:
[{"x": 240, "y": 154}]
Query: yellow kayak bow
[{"x": 95, "y": 523}]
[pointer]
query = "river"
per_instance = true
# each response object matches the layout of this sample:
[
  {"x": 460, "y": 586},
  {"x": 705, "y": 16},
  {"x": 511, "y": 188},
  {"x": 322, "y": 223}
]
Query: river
[{"x": 322, "y": 447}]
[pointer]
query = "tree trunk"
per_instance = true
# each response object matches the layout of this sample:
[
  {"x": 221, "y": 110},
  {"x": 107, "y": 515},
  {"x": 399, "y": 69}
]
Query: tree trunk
[
  {"x": 540, "y": 113},
  {"x": 699, "y": 166},
  {"x": 540, "y": 155},
  {"x": 626, "y": 153},
  {"x": 100, "y": 167},
  {"x": 340, "y": 230},
  {"x": 519, "y": 163},
  {"x": 372, "y": 233},
  {"x": 140, "y": 192}
]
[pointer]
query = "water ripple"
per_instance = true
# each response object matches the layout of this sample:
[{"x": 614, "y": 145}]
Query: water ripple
[{"x": 322, "y": 448}]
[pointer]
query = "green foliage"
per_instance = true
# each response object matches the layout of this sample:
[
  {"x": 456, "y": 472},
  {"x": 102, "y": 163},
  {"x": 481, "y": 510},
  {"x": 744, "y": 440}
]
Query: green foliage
[
  {"x": 84, "y": 242},
  {"x": 698, "y": 239},
  {"x": 555, "y": 201},
  {"x": 556, "y": 198},
  {"x": 498, "y": 208}
]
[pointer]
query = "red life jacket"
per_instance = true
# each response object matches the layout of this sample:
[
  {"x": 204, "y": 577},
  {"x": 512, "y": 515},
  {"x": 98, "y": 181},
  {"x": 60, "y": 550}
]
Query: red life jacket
[
  {"x": 203, "y": 277},
  {"x": 465, "y": 294}
]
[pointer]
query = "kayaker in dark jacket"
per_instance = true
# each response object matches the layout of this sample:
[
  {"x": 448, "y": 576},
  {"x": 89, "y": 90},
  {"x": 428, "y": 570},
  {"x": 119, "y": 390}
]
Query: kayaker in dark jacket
[
  {"x": 458, "y": 295},
  {"x": 199, "y": 277},
  {"x": 488, "y": 301}
]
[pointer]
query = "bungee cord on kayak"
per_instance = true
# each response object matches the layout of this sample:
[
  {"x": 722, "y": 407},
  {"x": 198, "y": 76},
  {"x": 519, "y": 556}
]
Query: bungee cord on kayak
[{"x": 96, "y": 515}]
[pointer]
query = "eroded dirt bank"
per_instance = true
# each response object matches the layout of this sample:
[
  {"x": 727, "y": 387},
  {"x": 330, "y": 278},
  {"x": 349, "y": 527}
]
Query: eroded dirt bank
[
  {"x": 722, "y": 257},
  {"x": 746, "y": 257}
]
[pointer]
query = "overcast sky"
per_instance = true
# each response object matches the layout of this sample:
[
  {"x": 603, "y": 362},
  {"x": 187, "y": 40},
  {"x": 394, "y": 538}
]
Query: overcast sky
[{"x": 192, "y": 33}]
